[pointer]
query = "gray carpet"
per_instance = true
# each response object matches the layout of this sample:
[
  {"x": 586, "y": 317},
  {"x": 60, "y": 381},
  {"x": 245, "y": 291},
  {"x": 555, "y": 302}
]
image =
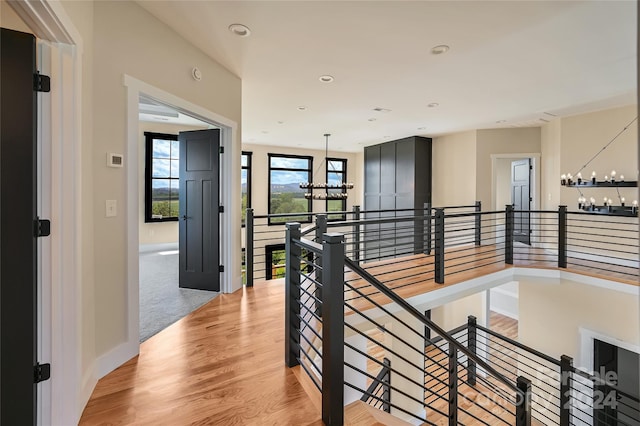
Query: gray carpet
[{"x": 162, "y": 302}]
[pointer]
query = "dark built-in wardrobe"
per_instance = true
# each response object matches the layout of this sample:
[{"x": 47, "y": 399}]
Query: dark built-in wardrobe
[{"x": 397, "y": 175}]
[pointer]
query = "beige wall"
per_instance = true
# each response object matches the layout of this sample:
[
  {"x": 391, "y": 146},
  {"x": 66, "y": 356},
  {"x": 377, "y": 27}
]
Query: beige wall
[
  {"x": 155, "y": 232},
  {"x": 10, "y": 20},
  {"x": 500, "y": 141},
  {"x": 583, "y": 136},
  {"x": 454, "y": 169},
  {"x": 260, "y": 174},
  {"x": 552, "y": 311},
  {"x": 550, "y": 142},
  {"x": 114, "y": 46},
  {"x": 455, "y": 314}
]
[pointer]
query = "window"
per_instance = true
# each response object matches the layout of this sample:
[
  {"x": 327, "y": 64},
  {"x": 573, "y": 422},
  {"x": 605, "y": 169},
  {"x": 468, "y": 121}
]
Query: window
[
  {"x": 245, "y": 182},
  {"x": 286, "y": 172},
  {"x": 275, "y": 261},
  {"x": 336, "y": 175},
  {"x": 162, "y": 177}
]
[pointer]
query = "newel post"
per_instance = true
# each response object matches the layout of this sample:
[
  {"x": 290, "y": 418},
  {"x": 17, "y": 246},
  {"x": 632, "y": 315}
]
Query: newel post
[
  {"x": 523, "y": 406},
  {"x": 427, "y": 228},
  {"x": 478, "y": 220},
  {"x": 562, "y": 236},
  {"x": 508, "y": 234},
  {"x": 566, "y": 368},
  {"x": 321, "y": 229},
  {"x": 292, "y": 296},
  {"x": 472, "y": 344},
  {"x": 439, "y": 246},
  {"x": 248, "y": 247},
  {"x": 333, "y": 330},
  {"x": 356, "y": 234}
]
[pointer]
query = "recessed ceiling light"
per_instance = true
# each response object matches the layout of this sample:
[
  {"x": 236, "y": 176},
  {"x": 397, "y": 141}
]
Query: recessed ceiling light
[
  {"x": 265, "y": 132},
  {"x": 386, "y": 137},
  {"x": 240, "y": 30},
  {"x": 421, "y": 128},
  {"x": 378, "y": 109},
  {"x": 326, "y": 78},
  {"x": 371, "y": 119},
  {"x": 440, "y": 49},
  {"x": 280, "y": 122},
  {"x": 501, "y": 121},
  {"x": 433, "y": 105},
  {"x": 302, "y": 108}
]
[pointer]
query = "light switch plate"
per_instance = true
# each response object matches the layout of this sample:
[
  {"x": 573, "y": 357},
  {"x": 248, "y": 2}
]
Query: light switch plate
[{"x": 111, "y": 208}]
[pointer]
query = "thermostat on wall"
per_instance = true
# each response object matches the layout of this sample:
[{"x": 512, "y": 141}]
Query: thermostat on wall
[{"x": 115, "y": 160}]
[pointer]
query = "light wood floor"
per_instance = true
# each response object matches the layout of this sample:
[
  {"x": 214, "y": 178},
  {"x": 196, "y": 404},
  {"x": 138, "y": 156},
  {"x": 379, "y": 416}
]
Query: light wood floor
[{"x": 222, "y": 365}]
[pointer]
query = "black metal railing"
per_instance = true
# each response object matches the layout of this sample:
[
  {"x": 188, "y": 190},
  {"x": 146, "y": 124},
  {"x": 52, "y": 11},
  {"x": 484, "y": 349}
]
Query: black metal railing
[
  {"x": 351, "y": 353},
  {"x": 560, "y": 393},
  {"x": 450, "y": 244}
]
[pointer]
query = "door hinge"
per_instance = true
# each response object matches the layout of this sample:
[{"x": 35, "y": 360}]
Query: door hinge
[
  {"x": 41, "y": 372},
  {"x": 41, "y": 83},
  {"x": 530, "y": 167},
  {"x": 220, "y": 209},
  {"x": 530, "y": 199},
  {"x": 42, "y": 227},
  {"x": 221, "y": 268},
  {"x": 221, "y": 150}
]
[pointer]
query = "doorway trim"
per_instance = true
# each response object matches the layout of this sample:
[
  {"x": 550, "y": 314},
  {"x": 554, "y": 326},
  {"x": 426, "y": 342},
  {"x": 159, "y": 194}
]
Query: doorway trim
[{"x": 229, "y": 282}]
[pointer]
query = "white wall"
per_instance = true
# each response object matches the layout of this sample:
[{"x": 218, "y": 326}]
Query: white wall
[{"x": 121, "y": 38}]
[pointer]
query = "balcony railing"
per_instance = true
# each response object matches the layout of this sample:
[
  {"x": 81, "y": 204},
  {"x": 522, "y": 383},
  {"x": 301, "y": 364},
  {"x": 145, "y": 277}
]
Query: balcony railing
[{"x": 346, "y": 311}]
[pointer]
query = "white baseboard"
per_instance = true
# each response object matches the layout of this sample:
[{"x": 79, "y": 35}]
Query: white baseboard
[
  {"x": 89, "y": 382},
  {"x": 113, "y": 359},
  {"x": 505, "y": 312},
  {"x": 145, "y": 248}
]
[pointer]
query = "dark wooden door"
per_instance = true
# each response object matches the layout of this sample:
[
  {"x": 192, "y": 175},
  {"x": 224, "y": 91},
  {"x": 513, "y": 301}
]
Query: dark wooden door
[
  {"x": 199, "y": 197},
  {"x": 18, "y": 245},
  {"x": 521, "y": 199}
]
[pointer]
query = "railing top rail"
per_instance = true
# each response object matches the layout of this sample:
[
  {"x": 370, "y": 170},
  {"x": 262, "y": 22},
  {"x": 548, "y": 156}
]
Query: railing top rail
[
  {"x": 426, "y": 321},
  {"x": 520, "y": 345},
  {"x": 337, "y": 224},
  {"x": 308, "y": 229},
  {"x": 309, "y": 245}
]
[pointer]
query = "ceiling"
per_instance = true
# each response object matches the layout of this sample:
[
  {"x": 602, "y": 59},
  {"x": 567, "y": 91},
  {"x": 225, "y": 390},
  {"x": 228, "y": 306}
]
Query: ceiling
[{"x": 510, "y": 64}]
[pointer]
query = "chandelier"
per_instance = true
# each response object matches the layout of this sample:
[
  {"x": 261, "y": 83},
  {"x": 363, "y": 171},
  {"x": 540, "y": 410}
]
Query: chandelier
[{"x": 326, "y": 186}]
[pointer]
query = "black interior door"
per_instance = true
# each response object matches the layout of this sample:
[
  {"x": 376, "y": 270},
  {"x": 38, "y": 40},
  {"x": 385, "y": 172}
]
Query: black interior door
[
  {"x": 521, "y": 199},
  {"x": 18, "y": 245},
  {"x": 199, "y": 199}
]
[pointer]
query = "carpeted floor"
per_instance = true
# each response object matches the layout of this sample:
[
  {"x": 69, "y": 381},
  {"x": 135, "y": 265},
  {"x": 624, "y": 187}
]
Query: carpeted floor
[{"x": 162, "y": 302}]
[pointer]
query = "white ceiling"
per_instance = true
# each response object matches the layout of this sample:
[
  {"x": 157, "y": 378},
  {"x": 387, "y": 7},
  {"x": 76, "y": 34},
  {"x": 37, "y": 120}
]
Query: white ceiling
[{"x": 509, "y": 60}]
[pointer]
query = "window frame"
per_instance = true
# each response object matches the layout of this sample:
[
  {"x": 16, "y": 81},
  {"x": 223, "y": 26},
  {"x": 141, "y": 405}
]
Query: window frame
[
  {"x": 249, "y": 155},
  {"x": 148, "y": 176},
  {"x": 344, "y": 190},
  {"x": 270, "y": 169}
]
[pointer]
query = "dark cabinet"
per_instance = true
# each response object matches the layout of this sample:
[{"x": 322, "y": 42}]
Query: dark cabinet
[{"x": 397, "y": 176}]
